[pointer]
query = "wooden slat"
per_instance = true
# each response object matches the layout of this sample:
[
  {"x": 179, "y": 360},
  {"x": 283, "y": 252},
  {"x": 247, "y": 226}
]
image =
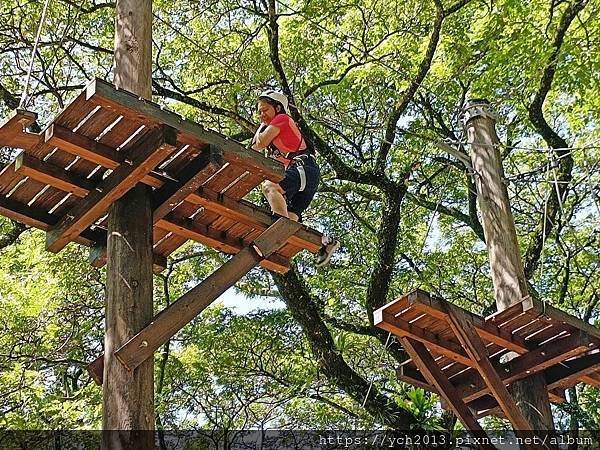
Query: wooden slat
[
  {"x": 253, "y": 216},
  {"x": 182, "y": 311},
  {"x": 244, "y": 186},
  {"x": 487, "y": 330},
  {"x": 401, "y": 328},
  {"x": 224, "y": 178},
  {"x": 212, "y": 238},
  {"x": 155, "y": 147},
  {"x": 557, "y": 316},
  {"x": 131, "y": 106},
  {"x": 464, "y": 330},
  {"x": 48, "y": 173},
  {"x": 436, "y": 378},
  {"x": 196, "y": 173},
  {"x": 39, "y": 219}
]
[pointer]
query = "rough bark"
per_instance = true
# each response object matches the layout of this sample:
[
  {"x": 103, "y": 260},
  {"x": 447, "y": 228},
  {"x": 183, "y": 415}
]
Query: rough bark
[
  {"x": 506, "y": 267},
  {"x": 330, "y": 361},
  {"x": 559, "y": 145},
  {"x": 129, "y": 396}
]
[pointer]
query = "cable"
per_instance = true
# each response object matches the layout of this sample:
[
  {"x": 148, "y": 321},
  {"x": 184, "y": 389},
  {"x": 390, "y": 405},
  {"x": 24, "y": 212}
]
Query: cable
[{"x": 33, "y": 52}]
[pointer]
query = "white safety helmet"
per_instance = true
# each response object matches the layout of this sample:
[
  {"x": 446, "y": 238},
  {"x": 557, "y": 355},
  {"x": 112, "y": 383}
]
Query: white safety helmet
[{"x": 278, "y": 97}]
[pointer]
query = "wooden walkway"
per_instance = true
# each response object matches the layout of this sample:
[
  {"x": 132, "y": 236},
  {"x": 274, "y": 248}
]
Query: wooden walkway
[
  {"x": 105, "y": 142},
  {"x": 469, "y": 360}
]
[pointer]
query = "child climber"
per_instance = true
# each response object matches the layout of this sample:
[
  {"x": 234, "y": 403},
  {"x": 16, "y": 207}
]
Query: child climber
[{"x": 280, "y": 136}]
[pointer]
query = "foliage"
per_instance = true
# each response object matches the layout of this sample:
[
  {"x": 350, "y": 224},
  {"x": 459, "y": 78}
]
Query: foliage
[{"x": 375, "y": 92}]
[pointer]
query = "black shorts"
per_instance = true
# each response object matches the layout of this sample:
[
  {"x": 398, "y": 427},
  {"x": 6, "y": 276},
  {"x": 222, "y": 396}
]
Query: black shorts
[{"x": 300, "y": 184}]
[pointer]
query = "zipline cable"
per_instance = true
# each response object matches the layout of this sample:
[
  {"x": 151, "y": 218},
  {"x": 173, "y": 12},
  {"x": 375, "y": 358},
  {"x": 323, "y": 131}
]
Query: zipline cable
[{"x": 33, "y": 52}]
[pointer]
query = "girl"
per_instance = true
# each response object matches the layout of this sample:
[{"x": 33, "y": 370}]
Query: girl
[{"x": 280, "y": 136}]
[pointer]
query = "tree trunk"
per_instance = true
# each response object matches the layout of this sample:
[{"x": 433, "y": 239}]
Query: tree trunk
[
  {"x": 129, "y": 396},
  {"x": 506, "y": 267}
]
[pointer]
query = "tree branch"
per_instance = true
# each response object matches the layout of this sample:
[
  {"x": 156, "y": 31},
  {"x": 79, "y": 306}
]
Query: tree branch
[{"x": 303, "y": 309}]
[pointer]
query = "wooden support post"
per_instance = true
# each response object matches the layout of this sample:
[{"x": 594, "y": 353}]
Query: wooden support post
[
  {"x": 436, "y": 378},
  {"x": 506, "y": 266},
  {"x": 139, "y": 348},
  {"x": 128, "y": 396}
]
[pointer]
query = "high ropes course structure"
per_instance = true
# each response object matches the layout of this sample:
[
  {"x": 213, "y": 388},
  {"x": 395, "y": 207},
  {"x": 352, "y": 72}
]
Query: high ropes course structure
[
  {"x": 105, "y": 142},
  {"x": 109, "y": 141}
]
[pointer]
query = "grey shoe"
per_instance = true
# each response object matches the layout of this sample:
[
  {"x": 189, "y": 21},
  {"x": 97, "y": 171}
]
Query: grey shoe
[{"x": 328, "y": 248}]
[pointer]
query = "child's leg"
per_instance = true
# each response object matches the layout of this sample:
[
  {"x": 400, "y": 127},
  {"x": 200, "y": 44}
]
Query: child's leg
[{"x": 274, "y": 194}]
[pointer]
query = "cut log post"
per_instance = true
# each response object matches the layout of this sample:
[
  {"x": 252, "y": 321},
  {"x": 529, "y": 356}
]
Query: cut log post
[
  {"x": 506, "y": 267},
  {"x": 128, "y": 396}
]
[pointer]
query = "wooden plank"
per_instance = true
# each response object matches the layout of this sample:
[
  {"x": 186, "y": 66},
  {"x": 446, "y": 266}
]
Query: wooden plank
[
  {"x": 436, "y": 378},
  {"x": 567, "y": 374},
  {"x": 188, "y": 306},
  {"x": 155, "y": 147},
  {"x": 253, "y": 216},
  {"x": 131, "y": 106},
  {"x": 196, "y": 173},
  {"x": 401, "y": 328},
  {"x": 522, "y": 366},
  {"x": 212, "y": 238},
  {"x": 39, "y": 219},
  {"x": 244, "y": 186},
  {"x": 225, "y": 177},
  {"x": 53, "y": 175},
  {"x": 13, "y": 130},
  {"x": 474, "y": 347},
  {"x": 487, "y": 330}
]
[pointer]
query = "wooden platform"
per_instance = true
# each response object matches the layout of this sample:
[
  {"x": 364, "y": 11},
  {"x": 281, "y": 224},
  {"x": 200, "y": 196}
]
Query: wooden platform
[
  {"x": 105, "y": 142},
  {"x": 529, "y": 337}
]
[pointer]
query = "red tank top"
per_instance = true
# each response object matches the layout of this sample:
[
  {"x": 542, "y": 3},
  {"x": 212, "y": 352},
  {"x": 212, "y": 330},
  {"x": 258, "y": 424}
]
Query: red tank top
[{"x": 289, "y": 138}]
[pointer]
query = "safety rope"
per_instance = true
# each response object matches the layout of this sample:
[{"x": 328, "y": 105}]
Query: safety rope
[{"x": 33, "y": 52}]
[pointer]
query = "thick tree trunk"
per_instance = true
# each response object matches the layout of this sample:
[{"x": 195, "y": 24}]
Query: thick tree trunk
[
  {"x": 129, "y": 396},
  {"x": 506, "y": 266}
]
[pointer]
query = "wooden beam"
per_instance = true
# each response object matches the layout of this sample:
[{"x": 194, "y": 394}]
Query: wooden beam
[
  {"x": 153, "y": 148},
  {"x": 464, "y": 330},
  {"x": 436, "y": 378},
  {"x": 437, "y": 307},
  {"x": 251, "y": 215},
  {"x": 36, "y": 218},
  {"x": 568, "y": 373},
  {"x": 13, "y": 131},
  {"x": 83, "y": 146},
  {"x": 401, "y": 328},
  {"x": 92, "y": 151},
  {"x": 183, "y": 310},
  {"x": 131, "y": 106},
  {"x": 216, "y": 239},
  {"x": 193, "y": 176},
  {"x": 55, "y": 176},
  {"x": 525, "y": 365}
]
